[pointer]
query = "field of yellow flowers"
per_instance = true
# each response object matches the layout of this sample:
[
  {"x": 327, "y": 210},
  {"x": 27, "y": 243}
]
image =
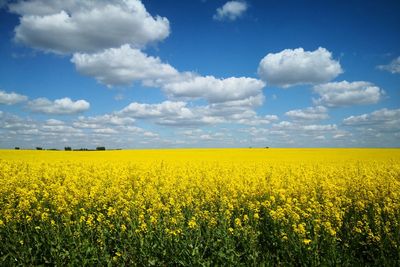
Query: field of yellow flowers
[{"x": 295, "y": 207}]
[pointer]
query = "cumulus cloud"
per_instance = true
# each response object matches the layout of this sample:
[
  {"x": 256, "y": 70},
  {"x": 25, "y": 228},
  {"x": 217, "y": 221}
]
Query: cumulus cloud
[
  {"x": 52, "y": 133},
  {"x": 380, "y": 128},
  {"x": 298, "y": 134},
  {"x": 54, "y": 122},
  {"x": 388, "y": 119},
  {"x": 231, "y": 10},
  {"x": 214, "y": 89},
  {"x": 292, "y": 67},
  {"x": 11, "y": 122},
  {"x": 310, "y": 113},
  {"x": 393, "y": 66},
  {"x": 166, "y": 108},
  {"x": 101, "y": 121},
  {"x": 58, "y": 106},
  {"x": 172, "y": 113},
  {"x": 122, "y": 66},
  {"x": 239, "y": 111},
  {"x": 58, "y": 129},
  {"x": 179, "y": 113},
  {"x": 86, "y": 26},
  {"x": 11, "y": 98},
  {"x": 346, "y": 93},
  {"x": 251, "y": 118},
  {"x": 287, "y": 125},
  {"x": 105, "y": 131}
]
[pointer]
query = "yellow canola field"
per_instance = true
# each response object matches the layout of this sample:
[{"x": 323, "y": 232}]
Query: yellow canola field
[{"x": 200, "y": 207}]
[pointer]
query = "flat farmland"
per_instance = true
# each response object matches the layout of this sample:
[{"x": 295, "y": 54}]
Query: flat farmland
[{"x": 196, "y": 207}]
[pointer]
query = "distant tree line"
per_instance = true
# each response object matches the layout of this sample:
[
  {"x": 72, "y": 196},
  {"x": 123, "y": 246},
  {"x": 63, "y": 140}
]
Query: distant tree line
[{"x": 68, "y": 148}]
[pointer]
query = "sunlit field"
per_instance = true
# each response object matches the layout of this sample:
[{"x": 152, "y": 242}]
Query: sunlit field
[{"x": 195, "y": 207}]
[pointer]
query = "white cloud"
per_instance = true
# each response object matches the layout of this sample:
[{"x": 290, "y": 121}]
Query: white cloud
[
  {"x": 385, "y": 119},
  {"x": 198, "y": 135},
  {"x": 289, "y": 134},
  {"x": 54, "y": 122},
  {"x": 253, "y": 119},
  {"x": 172, "y": 113},
  {"x": 192, "y": 133},
  {"x": 214, "y": 89},
  {"x": 239, "y": 111},
  {"x": 105, "y": 131},
  {"x": 166, "y": 108},
  {"x": 11, "y": 98},
  {"x": 179, "y": 113},
  {"x": 86, "y": 26},
  {"x": 310, "y": 113},
  {"x": 206, "y": 137},
  {"x": 393, "y": 66},
  {"x": 342, "y": 134},
  {"x": 380, "y": 128},
  {"x": 286, "y": 125},
  {"x": 122, "y": 66},
  {"x": 13, "y": 122},
  {"x": 295, "y": 67},
  {"x": 348, "y": 93},
  {"x": 231, "y": 10},
  {"x": 58, "y": 106},
  {"x": 246, "y": 103},
  {"x": 150, "y": 134},
  {"x": 64, "y": 129},
  {"x": 101, "y": 121},
  {"x": 314, "y": 127},
  {"x": 28, "y": 133}
]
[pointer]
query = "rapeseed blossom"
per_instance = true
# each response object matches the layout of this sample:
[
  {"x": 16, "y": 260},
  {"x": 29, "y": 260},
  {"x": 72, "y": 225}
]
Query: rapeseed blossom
[{"x": 200, "y": 207}]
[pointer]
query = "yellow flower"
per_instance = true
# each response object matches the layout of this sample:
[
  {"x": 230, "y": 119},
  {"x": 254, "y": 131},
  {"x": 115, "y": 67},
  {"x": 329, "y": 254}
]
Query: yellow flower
[
  {"x": 238, "y": 222},
  {"x": 192, "y": 223}
]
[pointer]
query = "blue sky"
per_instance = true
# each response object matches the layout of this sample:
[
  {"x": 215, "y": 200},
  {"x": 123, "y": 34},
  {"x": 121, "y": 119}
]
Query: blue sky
[{"x": 155, "y": 74}]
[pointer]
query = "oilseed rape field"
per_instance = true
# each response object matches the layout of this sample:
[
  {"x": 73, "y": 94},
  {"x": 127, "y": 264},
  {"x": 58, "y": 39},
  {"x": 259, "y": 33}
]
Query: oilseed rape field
[{"x": 200, "y": 207}]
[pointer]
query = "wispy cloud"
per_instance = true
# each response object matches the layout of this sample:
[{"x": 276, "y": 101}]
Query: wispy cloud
[{"x": 392, "y": 67}]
